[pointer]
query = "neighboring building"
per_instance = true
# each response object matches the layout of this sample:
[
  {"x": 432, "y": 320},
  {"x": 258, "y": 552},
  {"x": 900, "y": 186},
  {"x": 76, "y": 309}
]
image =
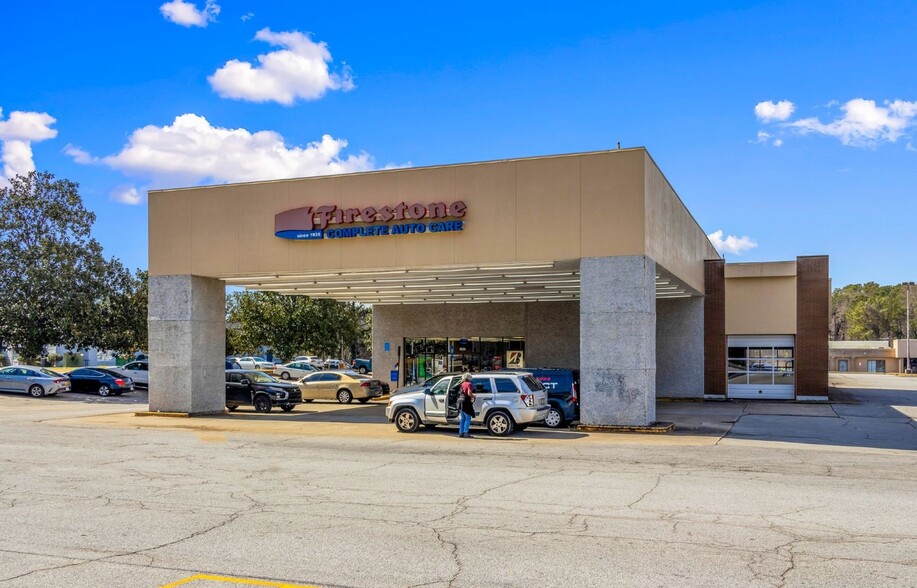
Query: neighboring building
[
  {"x": 587, "y": 261},
  {"x": 882, "y": 357}
]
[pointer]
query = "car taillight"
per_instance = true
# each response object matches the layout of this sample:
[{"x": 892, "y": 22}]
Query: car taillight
[
  {"x": 59, "y": 381},
  {"x": 528, "y": 399},
  {"x": 365, "y": 385},
  {"x": 119, "y": 381},
  {"x": 575, "y": 395}
]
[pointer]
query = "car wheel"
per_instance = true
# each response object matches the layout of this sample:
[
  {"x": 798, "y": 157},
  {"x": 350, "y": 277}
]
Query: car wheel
[
  {"x": 406, "y": 420},
  {"x": 363, "y": 400},
  {"x": 104, "y": 390},
  {"x": 285, "y": 376},
  {"x": 231, "y": 408},
  {"x": 36, "y": 391},
  {"x": 262, "y": 403},
  {"x": 345, "y": 396},
  {"x": 500, "y": 424},
  {"x": 363, "y": 370},
  {"x": 555, "y": 418},
  {"x": 287, "y": 407}
]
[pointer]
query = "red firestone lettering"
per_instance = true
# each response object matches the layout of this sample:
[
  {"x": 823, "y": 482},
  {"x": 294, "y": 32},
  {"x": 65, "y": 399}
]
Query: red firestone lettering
[
  {"x": 386, "y": 214},
  {"x": 324, "y": 215},
  {"x": 417, "y": 211},
  {"x": 350, "y": 213},
  {"x": 399, "y": 211},
  {"x": 437, "y": 210},
  {"x": 368, "y": 214},
  {"x": 457, "y": 209}
]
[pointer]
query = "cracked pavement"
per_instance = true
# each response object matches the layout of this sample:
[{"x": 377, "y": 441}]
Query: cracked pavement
[{"x": 781, "y": 495}]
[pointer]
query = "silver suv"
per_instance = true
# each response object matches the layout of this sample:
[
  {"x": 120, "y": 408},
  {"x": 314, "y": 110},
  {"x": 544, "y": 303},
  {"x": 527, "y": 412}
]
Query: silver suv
[{"x": 504, "y": 402}]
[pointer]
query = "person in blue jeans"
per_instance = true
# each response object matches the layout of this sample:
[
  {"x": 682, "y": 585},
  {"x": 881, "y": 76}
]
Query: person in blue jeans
[{"x": 466, "y": 407}]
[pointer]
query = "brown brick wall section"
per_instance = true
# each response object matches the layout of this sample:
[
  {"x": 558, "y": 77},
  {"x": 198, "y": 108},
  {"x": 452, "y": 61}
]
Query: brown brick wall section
[
  {"x": 715, "y": 327},
  {"x": 812, "y": 311}
]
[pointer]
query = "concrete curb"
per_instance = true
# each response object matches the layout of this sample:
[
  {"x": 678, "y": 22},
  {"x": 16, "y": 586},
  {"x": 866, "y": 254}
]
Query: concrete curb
[{"x": 654, "y": 428}]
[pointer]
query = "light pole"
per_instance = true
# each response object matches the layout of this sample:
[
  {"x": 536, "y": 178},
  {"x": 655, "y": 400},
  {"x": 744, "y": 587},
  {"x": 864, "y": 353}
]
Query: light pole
[{"x": 907, "y": 325}]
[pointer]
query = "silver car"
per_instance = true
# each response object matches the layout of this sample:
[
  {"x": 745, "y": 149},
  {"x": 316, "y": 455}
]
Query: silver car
[
  {"x": 34, "y": 381},
  {"x": 503, "y": 403},
  {"x": 138, "y": 371}
]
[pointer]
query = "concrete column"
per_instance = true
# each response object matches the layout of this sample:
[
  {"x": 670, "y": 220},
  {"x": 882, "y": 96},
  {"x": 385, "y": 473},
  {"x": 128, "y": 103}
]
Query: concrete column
[
  {"x": 187, "y": 330},
  {"x": 680, "y": 347},
  {"x": 618, "y": 341}
]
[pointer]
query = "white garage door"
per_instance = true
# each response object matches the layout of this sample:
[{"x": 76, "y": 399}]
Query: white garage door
[{"x": 761, "y": 367}]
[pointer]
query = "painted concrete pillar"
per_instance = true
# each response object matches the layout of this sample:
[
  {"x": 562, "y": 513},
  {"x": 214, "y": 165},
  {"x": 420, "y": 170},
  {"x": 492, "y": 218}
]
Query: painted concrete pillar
[
  {"x": 680, "y": 347},
  {"x": 618, "y": 340},
  {"x": 187, "y": 338}
]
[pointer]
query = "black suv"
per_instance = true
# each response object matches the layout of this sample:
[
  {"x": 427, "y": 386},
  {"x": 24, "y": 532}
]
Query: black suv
[{"x": 252, "y": 388}]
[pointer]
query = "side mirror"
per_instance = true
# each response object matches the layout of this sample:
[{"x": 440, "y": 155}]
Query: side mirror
[
  {"x": 428, "y": 391},
  {"x": 244, "y": 381}
]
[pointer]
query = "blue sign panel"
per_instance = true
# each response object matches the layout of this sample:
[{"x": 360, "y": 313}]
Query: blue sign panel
[{"x": 301, "y": 235}]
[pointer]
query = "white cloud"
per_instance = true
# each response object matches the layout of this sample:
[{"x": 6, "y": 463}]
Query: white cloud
[
  {"x": 777, "y": 143},
  {"x": 298, "y": 71},
  {"x": 731, "y": 244},
  {"x": 774, "y": 111},
  {"x": 79, "y": 155},
  {"x": 192, "y": 151},
  {"x": 863, "y": 123},
  {"x": 17, "y": 133},
  {"x": 910, "y": 146},
  {"x": 127, "y": 195},
  {"x": 763, "y": 136},
  {"x": 187, "y": 14},
  {"x": 247, "y": 16}
]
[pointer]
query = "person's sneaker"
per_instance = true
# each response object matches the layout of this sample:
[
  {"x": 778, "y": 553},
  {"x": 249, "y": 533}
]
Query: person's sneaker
[
  {"x": 468, "y": 436},
  {"x": 461, "y": 435}
]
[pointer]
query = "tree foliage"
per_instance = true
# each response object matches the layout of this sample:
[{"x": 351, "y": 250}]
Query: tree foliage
[
  {"x": 56, "y": 286},
  {"x": 294, "y": 325},
  {"x": 870, "y": 312}
]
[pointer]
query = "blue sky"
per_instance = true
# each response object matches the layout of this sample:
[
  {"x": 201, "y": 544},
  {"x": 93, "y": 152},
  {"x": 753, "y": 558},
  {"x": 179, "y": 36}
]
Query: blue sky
[{"x": 835, "y": 85}]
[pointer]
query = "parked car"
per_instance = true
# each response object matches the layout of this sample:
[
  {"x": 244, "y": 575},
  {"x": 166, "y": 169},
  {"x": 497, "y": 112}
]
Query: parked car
[
  {"x": 101, "y": 381},
  {"x": 257, "y": 389},
  {"x": 335, "y": 364},
  {"x": 504, "y": 402},
  {"x": 34, "y": 381},
  {"x": 310, "y": 359},
  {"x": 294, "y": 370},
  {"x": 255, "y": 363},
  {"x": 138, "y": 371},
  {"x": 343, "y": 386},
  {"x": 363, "y": 366},
  {"x": 428, "y": 383},
  {"x": 562, "y": 386},
  {"x": 232, "y": 364}
]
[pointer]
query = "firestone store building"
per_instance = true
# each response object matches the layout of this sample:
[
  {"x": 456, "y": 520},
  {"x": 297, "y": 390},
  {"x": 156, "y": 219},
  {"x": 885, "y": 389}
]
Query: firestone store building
[{"x": 586, "y": 261}]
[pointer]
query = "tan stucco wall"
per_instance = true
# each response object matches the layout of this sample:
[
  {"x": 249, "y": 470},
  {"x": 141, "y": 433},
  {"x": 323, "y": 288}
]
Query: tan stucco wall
[
  {"x": 539, "y": 209},
  {"x": 674, "y": 240},
  {"x": 760, "y": 299}
]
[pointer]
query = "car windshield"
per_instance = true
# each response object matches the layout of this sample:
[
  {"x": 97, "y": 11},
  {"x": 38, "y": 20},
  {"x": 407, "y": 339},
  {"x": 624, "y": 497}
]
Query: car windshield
[
  {"x": 259, "y": 378},
  {"x": 109, "y": 372},
  {"x": 258, "y": 358},
  {"x": 48, "y": 372}
]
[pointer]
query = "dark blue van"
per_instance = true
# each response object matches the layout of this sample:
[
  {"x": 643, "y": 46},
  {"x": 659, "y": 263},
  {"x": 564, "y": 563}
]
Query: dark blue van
[{"x": 562, "y": 386}]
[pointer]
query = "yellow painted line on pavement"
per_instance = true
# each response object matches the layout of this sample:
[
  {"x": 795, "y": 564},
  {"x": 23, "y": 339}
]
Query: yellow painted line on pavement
[{"x": 233, "y": 580}]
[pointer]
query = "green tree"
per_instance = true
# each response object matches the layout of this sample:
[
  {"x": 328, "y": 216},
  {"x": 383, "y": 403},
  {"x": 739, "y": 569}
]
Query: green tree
[
  {"x": 293, "y": 325},
  {"x": 53, "y": 276},
  {"x": 868, "y": 311},
  {"x": 123, "y": 311}
]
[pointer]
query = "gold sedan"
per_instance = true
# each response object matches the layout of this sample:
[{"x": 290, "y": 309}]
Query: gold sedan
[{"x": 343, "y": 386}]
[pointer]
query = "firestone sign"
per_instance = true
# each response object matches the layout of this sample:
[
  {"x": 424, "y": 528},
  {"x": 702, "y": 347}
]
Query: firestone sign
[{"x": 330, "y": 222}]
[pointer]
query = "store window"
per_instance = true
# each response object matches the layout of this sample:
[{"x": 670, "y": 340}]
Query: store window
[
  {"x": 760, "y": 367},
  {"x": 842, "y": 365},
  {"x": 424, "y": 358},
  {"x": 875, "y": 366}
]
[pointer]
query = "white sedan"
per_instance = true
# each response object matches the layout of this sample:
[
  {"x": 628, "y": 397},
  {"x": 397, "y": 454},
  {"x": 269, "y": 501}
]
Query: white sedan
[
  {"x": 255, "y": 363},
  {"x": 138, "y": 371},
  {"x": 294, "y": 370}
]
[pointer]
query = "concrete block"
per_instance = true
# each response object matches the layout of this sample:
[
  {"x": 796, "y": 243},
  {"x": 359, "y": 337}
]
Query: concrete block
[
  {"x": 618, "y": 341},
  {"x": 680, "y": 348}
]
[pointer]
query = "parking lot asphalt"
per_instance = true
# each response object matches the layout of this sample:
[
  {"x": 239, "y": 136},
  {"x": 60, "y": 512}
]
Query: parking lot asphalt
[{"x": 744, "y": 493}]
